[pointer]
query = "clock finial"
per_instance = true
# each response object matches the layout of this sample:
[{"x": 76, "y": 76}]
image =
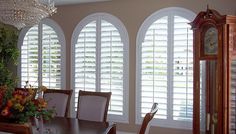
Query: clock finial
[{"x": 208, "y": 12}]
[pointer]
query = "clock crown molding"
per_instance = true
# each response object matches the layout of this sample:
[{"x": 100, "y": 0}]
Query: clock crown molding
[{"x": 210, "y": 15}]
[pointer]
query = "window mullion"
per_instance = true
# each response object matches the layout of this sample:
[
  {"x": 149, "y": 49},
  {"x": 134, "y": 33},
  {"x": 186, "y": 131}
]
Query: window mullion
[
  {"x": 170, "y": 50},
  {"x": 84, "y": 59},
  {"x": 154, "y": 50},
  {"x": 40, "y": 55},
  {"x": 98, "y": 54}
]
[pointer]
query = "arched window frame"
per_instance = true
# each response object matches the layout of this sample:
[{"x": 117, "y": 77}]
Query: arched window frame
[
  {"x": 61, "y": 38},
  {"x": 124, "y": 37},
  {"x": 170, "y": 12}
]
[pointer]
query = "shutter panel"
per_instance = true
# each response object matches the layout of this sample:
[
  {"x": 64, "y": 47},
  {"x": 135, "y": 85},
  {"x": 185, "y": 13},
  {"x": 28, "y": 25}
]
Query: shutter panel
[
  {"x": 29, "y": 57},
  {"x": 41, "y": 57},
  {"x": 85, "y": 60},
  {"x": 182, "y": 70},
  {"x": 154, "y": 68},
  {"x": 111, "y": 66},
  {"x": 51, "y": 58},
  {"x": 233, "y": 99}
]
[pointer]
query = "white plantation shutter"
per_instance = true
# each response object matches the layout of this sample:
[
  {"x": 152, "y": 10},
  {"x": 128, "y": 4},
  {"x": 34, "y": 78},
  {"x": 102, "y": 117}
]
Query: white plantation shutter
[
  {"x": 29, "y": 57},
  {"x": 51, "y": 58},
  {"x": 85, "y": 60},
  {"x": 165, "y": 68},
  {"x": 100, "y": 61},
  {"x": 111, "y": 74},
  {"x": 41, "y": 56},
  {"x": 182, "y": 70},
  {"x": 154, "y": 68}
]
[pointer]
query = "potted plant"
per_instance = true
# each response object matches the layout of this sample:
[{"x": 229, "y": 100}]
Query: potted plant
[
  {"x": 16, "y": 106},
  {"x": 8, "y": 56}
]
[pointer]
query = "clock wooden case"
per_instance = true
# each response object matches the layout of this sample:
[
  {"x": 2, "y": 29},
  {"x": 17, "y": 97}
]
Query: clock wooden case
[{"x": 214, "y": 73}]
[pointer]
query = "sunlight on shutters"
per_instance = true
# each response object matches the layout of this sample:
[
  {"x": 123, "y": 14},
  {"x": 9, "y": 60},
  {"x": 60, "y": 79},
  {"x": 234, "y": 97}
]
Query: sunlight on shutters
[
  {"x": 154, "y": 68},
  {"x": 51, "y": 58},
  {"x": 85, "y": 60},
  {"x": 182, "y": 70},
  {"x": 29, "y": 57},
  {"x": 112, "y": 66}
]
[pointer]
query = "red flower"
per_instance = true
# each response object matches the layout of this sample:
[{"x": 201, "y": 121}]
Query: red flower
[{"x": 5, "y": 111}]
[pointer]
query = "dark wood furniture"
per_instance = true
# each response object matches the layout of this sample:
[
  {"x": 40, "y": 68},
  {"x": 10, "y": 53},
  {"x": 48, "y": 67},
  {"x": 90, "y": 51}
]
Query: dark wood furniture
[
  {"x": 214, "y": 77},
  {"x": 148, "y": 117},
  {"x": 60, "y": 125},
  {"x": 64, "y": 125},
  {"x": 67, "y": 92},
  {"x": 15, "y": 128},
  {"x": 106, "y": 95}
]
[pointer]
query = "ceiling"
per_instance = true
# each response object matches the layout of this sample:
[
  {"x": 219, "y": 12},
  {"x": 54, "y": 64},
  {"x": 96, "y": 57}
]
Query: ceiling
[{"x": 69, "y": 2}]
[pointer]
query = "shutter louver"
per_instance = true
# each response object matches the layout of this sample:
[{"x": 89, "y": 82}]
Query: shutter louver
[
  {"x": 111, "y": 66},
  {"x": 85, "y": 60},
  {"x": 154, "y": 68},
  {"x": 29, "y": 57},
  {"x": 182, "y": 70},
  {"x": 51, "y": 58}
]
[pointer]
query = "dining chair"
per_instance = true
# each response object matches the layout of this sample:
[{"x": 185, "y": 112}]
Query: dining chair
[
  {"x": 93, "y": 106},
  {"x": 58, "y": 99},
  {"x": 15, "y": 128},
  {"x": 148, "y": 117}
]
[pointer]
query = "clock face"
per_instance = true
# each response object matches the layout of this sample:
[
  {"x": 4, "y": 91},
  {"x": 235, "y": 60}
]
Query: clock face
[{"x": 211, "y": 41}]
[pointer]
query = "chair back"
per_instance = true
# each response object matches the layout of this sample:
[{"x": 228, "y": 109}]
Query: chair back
[
  {"x": 148, "y": 117},
  {"x": 58, "y": 99},
  {"x": 15, "y": 128},
  {"x": 93, "y": 106}
]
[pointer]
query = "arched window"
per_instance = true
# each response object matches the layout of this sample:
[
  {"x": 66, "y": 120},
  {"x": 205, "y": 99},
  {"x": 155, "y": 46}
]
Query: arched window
[
  {"x": 100, "y": 61},
  {"x": 165, "y": 67},
  {"x": 42, "y": 50}
]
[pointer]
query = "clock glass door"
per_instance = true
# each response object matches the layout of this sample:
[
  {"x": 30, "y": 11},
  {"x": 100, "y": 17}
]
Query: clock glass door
[
  {"x": 211, "y": 41},
  {"x": 208, "y": 97}
]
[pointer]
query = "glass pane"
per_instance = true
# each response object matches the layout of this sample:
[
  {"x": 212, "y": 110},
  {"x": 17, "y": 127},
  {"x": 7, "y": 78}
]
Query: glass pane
[
  {"x": 208, "y": 97},
  {"x": 202, "y": 97}
]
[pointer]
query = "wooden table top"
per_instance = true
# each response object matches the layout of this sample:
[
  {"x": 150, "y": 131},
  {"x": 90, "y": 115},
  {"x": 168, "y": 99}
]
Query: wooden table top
[{"x": 61, "y": 125}]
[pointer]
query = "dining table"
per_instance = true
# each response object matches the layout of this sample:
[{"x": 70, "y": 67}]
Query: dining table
[{"x": 64, "y": 125}]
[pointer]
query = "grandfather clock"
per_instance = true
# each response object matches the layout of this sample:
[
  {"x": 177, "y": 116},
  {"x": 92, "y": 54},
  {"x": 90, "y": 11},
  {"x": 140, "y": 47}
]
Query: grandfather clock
[{"x": 214, "y": 73}]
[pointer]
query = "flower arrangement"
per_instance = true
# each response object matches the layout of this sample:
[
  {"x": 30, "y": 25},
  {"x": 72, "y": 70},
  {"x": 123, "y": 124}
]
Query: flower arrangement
[{"x": 19, "y": 106}]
